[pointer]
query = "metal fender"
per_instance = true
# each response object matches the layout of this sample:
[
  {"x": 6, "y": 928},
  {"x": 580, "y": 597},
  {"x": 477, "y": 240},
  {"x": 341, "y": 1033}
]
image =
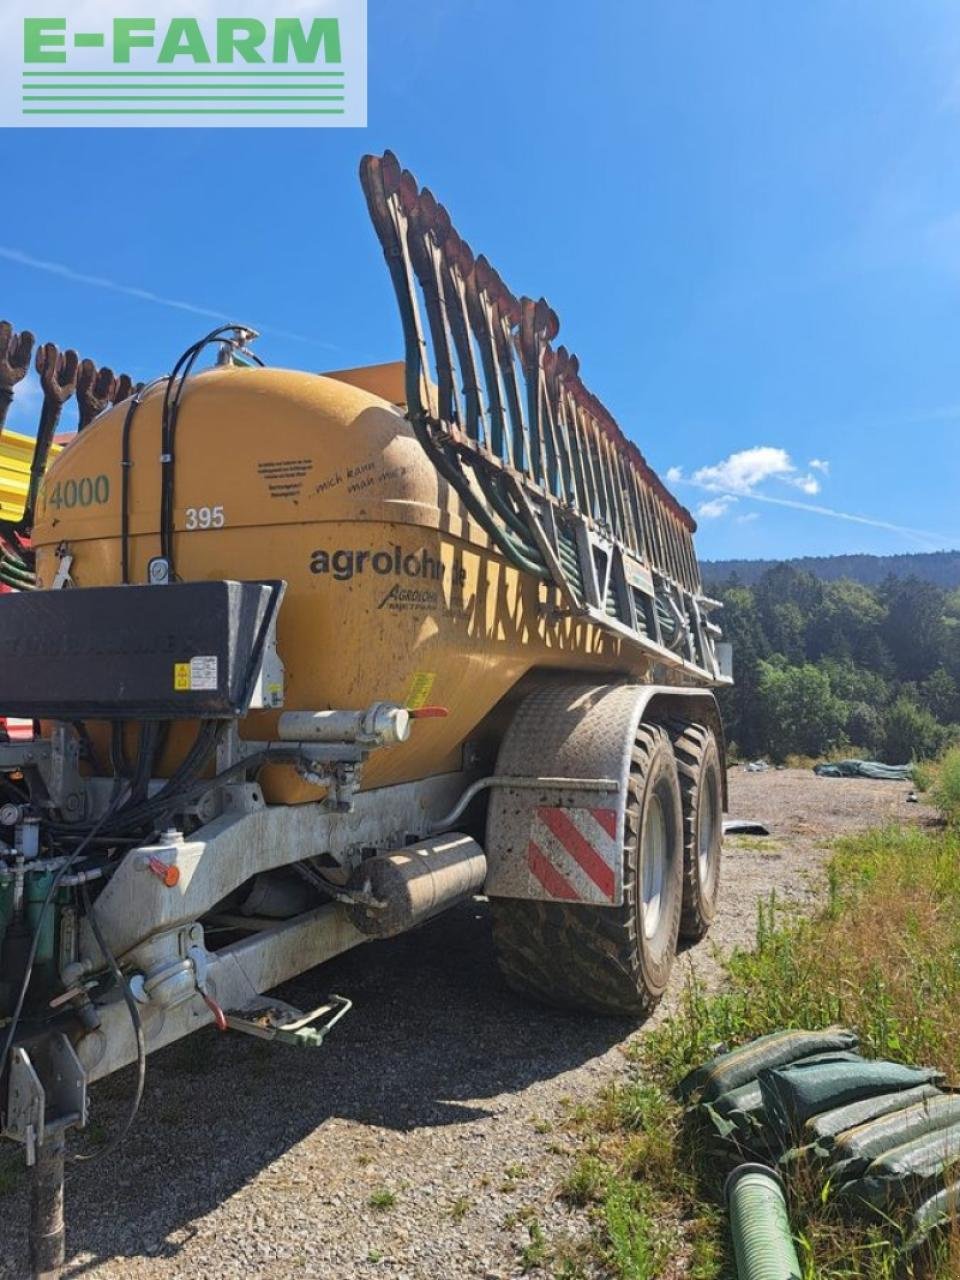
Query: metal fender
[{"x": 564, "y": 843}]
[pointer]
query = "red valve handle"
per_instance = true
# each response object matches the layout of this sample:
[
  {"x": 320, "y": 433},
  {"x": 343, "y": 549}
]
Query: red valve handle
[
  {"x": 219, "y": 1017},
  {"x": 429, "y": 713},
  {"x": 168, "y": 872}
]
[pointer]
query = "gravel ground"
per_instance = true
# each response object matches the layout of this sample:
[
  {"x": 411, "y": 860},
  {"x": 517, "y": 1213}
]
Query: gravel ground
[{"x": 440, "y": 1089}]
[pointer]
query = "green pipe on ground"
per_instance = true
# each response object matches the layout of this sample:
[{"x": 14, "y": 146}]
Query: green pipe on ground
[{"x": 762, "y": 1239}]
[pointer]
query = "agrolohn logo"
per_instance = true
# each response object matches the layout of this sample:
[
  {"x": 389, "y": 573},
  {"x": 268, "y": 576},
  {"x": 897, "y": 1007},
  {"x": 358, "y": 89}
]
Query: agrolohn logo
[{"x": 233, "y": 62}]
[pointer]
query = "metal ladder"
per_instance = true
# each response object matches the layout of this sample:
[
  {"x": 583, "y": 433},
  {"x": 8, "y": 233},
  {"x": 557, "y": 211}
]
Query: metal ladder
[{"x": 536, "y": 459}]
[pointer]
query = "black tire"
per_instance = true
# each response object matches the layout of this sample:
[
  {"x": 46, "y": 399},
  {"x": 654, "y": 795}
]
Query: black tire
[
  {"x": 601, "y": 958},
  {"x": 701, "y": 786}
]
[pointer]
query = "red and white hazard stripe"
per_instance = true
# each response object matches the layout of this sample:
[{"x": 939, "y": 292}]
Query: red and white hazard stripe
[{"x": 574, "y": 854}]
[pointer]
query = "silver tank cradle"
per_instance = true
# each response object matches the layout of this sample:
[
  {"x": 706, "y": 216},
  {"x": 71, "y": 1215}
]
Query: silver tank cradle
[
  {"x": 234, "y": 978},
  {"x": 249, "y": 838}
]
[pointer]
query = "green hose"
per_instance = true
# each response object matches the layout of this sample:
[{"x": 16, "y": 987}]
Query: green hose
[{"x": 762, "y": 1240}]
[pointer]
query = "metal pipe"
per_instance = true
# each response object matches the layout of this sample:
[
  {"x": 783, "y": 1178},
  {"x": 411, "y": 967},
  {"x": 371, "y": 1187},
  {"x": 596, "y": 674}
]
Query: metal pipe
[
  {"x": 762, "y": 1239},
  {"x": 46, "y": 1227},
  {"x": 521, "y": 784},
  {"x": 381, "y": 724}
]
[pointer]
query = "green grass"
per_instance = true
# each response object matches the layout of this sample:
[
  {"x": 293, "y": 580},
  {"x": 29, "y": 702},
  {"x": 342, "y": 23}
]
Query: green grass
[
  {"x": 945, "y": 790},
  {"x": 383, "y": 1198},
  {"x": 881, "y": 956},
  {"x": 459, "y": 1208}
]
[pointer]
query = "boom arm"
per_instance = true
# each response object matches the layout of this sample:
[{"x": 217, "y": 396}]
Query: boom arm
[{"x": 536, "y": 459}]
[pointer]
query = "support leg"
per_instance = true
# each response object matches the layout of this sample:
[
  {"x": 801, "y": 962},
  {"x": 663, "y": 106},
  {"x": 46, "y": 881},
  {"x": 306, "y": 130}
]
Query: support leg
[{"x": 47, "y": 1236}]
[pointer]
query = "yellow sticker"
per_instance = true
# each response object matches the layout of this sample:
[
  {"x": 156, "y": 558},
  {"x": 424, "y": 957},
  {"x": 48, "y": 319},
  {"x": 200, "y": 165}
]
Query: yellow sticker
[
  {"x": 420, "y": 687},
  {"x": 181, "y": 677}
]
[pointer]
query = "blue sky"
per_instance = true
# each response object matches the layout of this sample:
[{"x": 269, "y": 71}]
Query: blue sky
[{"x": 747, "y": 216}]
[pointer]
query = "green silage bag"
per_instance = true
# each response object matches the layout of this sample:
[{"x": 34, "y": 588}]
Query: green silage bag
[
  {"x": 934, "y": 1218},
  {"x": 728, "y": 1071},
  {"x": 739, "y": 1116},
  {"x": 794, "y": 1093},
  {"x": 821, "y": 1131},
  {"x": 859, "y": 1147},
  {"x": 910, "y": 1173}
]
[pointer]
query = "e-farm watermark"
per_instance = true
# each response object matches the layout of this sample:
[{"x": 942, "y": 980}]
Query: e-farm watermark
[{"x": 233, "y": 62}]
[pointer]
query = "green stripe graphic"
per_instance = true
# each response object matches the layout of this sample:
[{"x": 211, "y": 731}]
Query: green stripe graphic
[
  {"x": 183, "y": 73},
  {"x": 187, "y": 97},
  {"x": 183, "y": 111}
]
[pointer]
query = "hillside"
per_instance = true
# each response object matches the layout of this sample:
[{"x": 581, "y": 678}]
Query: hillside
[{"x": 942, "y": 568}]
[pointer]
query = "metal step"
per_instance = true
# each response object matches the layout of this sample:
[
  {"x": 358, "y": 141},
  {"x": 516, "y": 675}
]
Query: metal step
[{"x": 281, "y": 1022}]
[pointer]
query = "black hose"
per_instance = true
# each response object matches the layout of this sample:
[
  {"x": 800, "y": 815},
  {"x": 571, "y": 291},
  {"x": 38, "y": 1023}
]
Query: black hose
[
  {"x": 131, "y": 1004},
  {"x": 125, "y": 465},
  {"x": 168, "y": 430},
  {"x": 35, "y": 941}
]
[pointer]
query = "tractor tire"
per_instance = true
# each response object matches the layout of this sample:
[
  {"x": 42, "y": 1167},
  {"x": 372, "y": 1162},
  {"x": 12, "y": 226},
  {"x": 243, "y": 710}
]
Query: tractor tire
[
  {"x": 609, "y": 960},
  {"x": 701, "y": 786}
]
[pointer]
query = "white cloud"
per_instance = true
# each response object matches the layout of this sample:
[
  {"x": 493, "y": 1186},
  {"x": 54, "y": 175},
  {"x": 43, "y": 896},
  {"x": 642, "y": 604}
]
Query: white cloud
[
  {"x": 716, "y": 507},
  {"x": 739, "y": 476},
  {"x": 748, "y": 517},
  {"x": 744, "y": 470},
  {"x": 674, "y": 475}
]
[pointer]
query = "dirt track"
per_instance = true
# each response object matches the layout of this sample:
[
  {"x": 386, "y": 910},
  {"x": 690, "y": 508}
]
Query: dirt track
[{"x": 439, "y": 1087}]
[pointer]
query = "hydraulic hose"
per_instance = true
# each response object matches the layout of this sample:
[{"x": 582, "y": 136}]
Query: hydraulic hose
[{"x": 762, "y": 1239}]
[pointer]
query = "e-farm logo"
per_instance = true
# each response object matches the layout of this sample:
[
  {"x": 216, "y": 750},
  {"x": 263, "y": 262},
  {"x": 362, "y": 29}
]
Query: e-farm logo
[{"x": 290, "y": 62}]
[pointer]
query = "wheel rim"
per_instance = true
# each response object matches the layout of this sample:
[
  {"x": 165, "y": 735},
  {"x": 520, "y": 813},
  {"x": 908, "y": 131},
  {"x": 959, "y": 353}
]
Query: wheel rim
[
  {"x": 654, "y": 865},
  {"x": 706, "y": 832}
]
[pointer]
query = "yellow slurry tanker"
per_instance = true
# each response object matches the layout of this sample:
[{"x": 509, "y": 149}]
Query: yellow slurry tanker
[{"x": 311, "y": 658}]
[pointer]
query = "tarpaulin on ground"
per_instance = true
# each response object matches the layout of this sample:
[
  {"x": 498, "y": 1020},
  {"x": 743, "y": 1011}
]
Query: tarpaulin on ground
[{"x": 865, "y": 769}]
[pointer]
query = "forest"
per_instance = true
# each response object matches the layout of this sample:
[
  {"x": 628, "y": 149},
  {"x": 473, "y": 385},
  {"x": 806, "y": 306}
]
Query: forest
[{"x": 828, "y": 666}]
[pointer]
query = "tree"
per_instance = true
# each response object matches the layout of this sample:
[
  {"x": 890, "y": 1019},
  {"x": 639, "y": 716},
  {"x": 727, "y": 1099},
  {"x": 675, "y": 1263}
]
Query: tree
[
  {"x": 847, "y": 618},
  {"x": 914, "y": 629},
  {"x": 786, "y": 600},
  {"x": 865, "y": 728},
  {"x": 741, "y": 626},
  {"x": 940, "y": 695},
  {"x": 911, "y": 733},
  {"x": 797, "y": 710}
]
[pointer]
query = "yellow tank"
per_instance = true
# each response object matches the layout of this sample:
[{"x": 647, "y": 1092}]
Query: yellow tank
[{"x": 393, "y": 591}]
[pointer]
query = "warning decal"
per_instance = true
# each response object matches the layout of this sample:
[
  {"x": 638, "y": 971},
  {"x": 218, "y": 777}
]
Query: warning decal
[
  {"x": 574, "y": 853},
  {"x": 420, "y": 689},
  {"x": 198, "y": 675}
]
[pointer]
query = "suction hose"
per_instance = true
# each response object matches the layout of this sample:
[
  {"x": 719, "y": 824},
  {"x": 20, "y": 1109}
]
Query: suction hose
[{"x": 762, "y": 1240}]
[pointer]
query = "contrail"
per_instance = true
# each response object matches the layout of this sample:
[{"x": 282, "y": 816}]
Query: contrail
[
  {"x": 142, "y": 295},
  {"x": 937, "y": 540}
]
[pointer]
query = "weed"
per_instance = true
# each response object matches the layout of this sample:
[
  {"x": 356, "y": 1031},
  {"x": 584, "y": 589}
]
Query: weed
[
  {"x": 523, "y": 1214},
  {"x": 633, "y": 1250},
  {"x": 459, "y": 1209},
  {"x": 585, "y": 1182},
  {"x": 923, "y": 775},
  {"x": 751, "y": 844},
  {"x": 382, "y": 1198},
  {"x": 946, "y": 790},
  {"x": 534, "y": 1254},
  {"x": 881, "y": 956}
]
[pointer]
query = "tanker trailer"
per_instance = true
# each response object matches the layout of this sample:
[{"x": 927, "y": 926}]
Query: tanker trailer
[{"x": 314, "y": 658}]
